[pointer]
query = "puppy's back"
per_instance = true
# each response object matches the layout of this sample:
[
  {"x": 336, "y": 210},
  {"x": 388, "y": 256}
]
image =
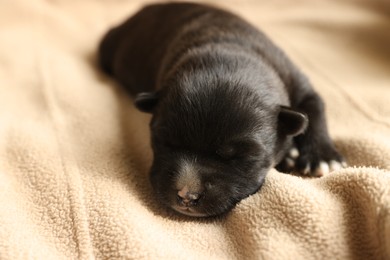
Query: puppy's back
[
  {"x": 140, "y": 51},
  {"x": 133, "y": 51}
]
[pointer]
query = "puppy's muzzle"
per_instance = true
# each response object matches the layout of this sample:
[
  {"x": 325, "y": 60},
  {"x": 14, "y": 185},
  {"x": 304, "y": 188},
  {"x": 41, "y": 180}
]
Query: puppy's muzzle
[{"x": 186, "y": 198}]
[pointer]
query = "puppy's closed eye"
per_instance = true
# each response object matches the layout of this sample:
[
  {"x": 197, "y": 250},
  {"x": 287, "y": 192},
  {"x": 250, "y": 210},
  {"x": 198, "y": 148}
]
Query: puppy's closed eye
[
  {"x": 240, "y": 149},
  {"x": 226, "y": 152}
]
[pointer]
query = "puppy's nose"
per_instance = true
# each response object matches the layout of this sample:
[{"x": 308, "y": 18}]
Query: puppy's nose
[{"x": 187, "y": 198}]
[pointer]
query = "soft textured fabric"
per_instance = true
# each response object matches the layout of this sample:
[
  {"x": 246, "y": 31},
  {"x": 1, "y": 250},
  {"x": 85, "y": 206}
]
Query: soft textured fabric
[{"x": 74, "y": 152}]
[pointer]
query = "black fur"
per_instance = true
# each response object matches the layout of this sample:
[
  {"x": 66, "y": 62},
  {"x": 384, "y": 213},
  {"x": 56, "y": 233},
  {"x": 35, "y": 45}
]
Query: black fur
[{"x": 224, "y": 99}]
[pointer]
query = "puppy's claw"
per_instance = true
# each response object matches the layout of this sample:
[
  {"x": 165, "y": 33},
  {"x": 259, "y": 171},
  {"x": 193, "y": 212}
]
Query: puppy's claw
[
  {"x": 294, "y": 153},
  {"x": 306, "y": 171},
  {"x": 322, "y": 169},
  {"x": 290, "y": 163},
  {"x": 335, "y": 166}
]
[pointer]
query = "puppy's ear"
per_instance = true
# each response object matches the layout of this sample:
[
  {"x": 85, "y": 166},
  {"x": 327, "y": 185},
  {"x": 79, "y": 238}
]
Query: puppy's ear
[
  {"x": 146, "y": 101},
  {"x": 291, "y": 122}
]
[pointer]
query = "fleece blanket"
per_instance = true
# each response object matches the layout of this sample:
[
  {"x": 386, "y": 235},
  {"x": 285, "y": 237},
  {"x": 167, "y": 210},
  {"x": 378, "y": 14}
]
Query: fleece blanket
[{"x": 74, "y": 152}]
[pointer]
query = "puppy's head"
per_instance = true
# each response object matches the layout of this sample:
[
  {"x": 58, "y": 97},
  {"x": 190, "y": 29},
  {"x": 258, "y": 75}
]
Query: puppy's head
[{"x": 213, "y": 146}]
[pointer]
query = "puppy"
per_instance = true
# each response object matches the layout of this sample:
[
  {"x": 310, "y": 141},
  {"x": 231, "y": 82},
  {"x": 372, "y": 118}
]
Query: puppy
[{"x": 227, "y": 105}]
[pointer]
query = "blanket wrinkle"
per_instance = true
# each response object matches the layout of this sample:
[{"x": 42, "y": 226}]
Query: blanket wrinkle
[
  {"x": 356, "y": 101},
  {"x": 79, "y": 219},
  {"x": 74, "y": 187},
  {"x": 75, "y": 153}
]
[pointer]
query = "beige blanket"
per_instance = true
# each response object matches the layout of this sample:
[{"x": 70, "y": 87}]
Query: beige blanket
[{"x": 74, "y": 153}]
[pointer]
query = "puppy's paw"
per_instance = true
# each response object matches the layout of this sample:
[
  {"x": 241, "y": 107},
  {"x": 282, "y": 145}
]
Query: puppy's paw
[
  {"x": 289, "y": 161},
  {"x": 318, "y": 161},
  {"x": 323, "y": 168},
  {"x": 312, "y": 162}
]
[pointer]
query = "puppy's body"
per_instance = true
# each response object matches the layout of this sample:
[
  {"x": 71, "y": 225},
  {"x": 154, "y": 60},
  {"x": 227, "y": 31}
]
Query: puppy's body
[{"x": 227, "y": 104}]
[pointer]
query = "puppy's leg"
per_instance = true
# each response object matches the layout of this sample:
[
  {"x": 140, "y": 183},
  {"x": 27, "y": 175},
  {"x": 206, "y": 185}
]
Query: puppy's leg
[
  {"x": 316, "y": 154},
  {"x": 313, "y": 152}
]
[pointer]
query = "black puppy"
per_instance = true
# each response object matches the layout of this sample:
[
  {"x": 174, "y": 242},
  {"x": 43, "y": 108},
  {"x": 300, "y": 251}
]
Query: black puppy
[{"x": 227, "y": 105}]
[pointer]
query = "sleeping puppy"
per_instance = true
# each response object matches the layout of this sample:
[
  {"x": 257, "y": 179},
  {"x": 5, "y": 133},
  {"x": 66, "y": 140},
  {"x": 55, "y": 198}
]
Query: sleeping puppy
[{"x": 227, "y": 105}]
